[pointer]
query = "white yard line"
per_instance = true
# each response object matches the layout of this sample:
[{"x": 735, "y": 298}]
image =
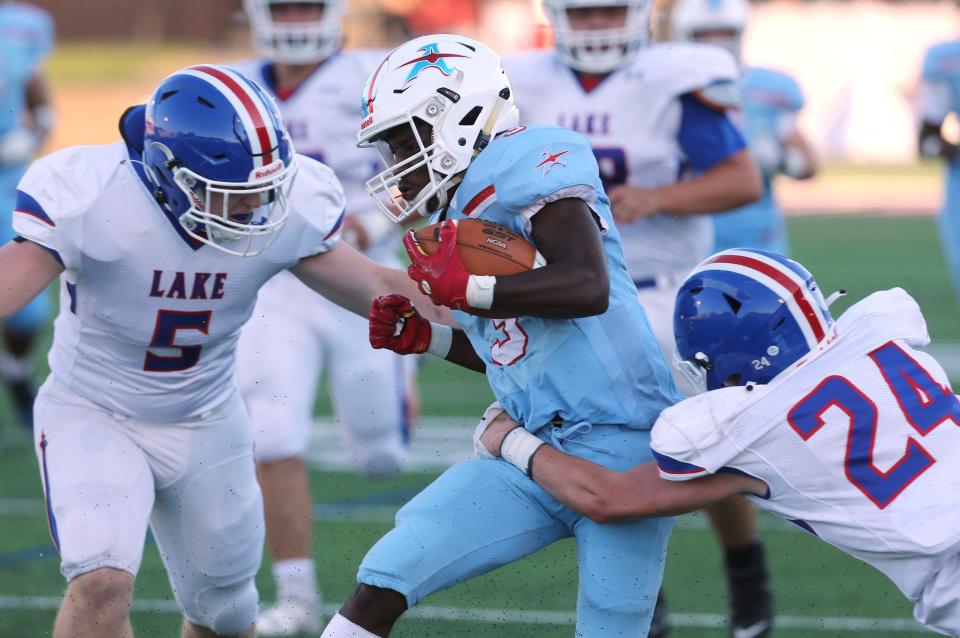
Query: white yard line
[{"x": 532, "y": 617}]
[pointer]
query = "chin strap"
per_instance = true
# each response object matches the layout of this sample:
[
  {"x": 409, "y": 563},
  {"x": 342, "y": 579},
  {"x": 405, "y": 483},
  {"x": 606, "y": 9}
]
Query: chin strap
[
  {"x": 486, "y": 133},
  {"x": 835, "y": 295}
]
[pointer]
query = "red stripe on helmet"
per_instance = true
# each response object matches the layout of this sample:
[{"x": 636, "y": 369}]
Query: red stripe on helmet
[
  {"x": 263, "y": 136},
  {"x": 795, "y": 289}
]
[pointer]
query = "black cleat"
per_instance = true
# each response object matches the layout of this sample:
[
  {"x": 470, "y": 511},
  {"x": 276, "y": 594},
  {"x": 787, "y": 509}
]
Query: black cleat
[
  {"x": 660, "y": 623},
  {"x": 751, "y": 598},
  {"x": 23, "y": 395}
]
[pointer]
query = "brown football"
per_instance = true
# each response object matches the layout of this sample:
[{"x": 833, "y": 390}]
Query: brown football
[{"x": 486, "y": 248}]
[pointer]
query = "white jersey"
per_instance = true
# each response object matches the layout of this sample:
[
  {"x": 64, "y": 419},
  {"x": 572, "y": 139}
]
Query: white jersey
[
  {"x": 149, "y": 318},
  {"x": 322, "y": 117},
  {"x": 632, "y": 119},
  {"x": 858, "y": 444}
]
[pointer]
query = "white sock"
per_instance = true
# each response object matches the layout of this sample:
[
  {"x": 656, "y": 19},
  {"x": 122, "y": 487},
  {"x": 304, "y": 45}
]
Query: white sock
[
  {"x": 340, "y": 627},
  {"x": 296, "y": 579}
]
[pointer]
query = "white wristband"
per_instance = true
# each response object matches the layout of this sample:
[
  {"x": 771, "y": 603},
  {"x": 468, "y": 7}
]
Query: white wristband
[
  {"x": 518, "y": 447},
  {"x": 480, "y": 291},
  {"x": 441, "y": 338}
]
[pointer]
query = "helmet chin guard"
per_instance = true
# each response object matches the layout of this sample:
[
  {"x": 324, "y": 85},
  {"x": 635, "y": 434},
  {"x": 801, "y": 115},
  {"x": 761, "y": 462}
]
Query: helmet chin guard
[{"x": 456, "y": 87}]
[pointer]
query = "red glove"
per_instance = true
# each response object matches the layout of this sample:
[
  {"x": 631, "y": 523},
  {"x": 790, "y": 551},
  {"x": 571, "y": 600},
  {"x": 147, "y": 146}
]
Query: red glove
[
  {"x": 396, "y": 325},
  {"x": 442, "y": 275}
]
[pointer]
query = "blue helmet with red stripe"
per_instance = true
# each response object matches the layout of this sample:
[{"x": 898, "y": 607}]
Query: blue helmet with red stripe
[
  {"x": 220, "y": 158},
  {"x": 745, "y": 315}
]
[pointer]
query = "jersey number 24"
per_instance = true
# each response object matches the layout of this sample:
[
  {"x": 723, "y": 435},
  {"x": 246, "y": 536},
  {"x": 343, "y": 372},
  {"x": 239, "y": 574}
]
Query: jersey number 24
[{"x": 925, "y": 405}]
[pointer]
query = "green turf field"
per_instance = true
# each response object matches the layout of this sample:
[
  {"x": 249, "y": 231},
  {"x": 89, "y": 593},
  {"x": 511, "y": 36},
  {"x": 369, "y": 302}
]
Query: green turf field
[{"x": 820, "y": 592}]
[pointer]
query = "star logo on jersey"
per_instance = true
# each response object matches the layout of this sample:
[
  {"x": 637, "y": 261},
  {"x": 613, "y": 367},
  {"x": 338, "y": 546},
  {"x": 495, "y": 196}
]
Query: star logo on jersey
[
  {"x": 431, "y": 59},
  {"x": 551, "y": 160}
]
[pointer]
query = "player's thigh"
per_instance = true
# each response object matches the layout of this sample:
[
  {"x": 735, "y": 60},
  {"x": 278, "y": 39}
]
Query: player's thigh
[
  {"x": 97, "y": 484},
  {"x": 476, "y": 517},
  {"x": 279, "y": 358},
  {"x": 939, "y": 605},
  {"x": 208, "y": 523}
]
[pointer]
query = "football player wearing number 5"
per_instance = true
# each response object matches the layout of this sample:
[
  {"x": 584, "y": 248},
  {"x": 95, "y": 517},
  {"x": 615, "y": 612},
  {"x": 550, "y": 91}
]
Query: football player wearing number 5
[
  {"x": 161, "y": 242},
  {"x": 572, "y": 356},
  {"x": 843, "y": 428}
]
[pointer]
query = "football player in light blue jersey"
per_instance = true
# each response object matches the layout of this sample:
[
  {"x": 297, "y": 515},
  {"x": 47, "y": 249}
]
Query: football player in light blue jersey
[
  {"x": 26, "y": 118},
  {"x": 770, "y": 102},
  {"x": 940, "y": 95},
  {"x": 568, "y": 353}
]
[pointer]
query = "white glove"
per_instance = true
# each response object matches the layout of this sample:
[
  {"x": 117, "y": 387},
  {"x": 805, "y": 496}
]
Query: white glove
[
  {"x": 17, "y": 147},
  {"x": 489, "y": 415},
  {"x": 768, "y": 154}
]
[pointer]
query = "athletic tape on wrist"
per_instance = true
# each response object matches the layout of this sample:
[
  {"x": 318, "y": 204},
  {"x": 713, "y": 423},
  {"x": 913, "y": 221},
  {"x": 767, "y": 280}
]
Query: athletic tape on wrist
[
  {"x": 480, "y": 291},
  {"x": 441, "y": 338},
  {"x": 518, "y": 448}
]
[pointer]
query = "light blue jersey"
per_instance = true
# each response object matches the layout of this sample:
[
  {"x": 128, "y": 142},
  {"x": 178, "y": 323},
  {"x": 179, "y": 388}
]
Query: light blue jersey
[
  {"x": 941, "y": 78},
  {"x": 602, "y": 369},
  {"x": 771, "y": 100},
  {"x": 26, "y": 38},
  {"x": 603, "y": 376}
]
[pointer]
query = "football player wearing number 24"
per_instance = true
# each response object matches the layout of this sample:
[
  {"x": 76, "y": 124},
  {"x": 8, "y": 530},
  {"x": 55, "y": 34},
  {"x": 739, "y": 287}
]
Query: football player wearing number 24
[
  {"x": 161, "y": 242},
  {"x": 572, "y": 358},
  {"x": 845, "y": 429}
]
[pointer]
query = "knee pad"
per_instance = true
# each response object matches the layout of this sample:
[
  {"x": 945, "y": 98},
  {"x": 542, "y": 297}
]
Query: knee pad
[{"x": 227, "y": 610}]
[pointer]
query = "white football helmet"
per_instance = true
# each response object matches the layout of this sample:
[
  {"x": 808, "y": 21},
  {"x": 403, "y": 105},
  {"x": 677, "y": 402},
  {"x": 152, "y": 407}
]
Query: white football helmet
[
  {"x": 692, "y": 20},
  {"x": 598, "y": 50},
  {"x": 457, "y": 86},
  {"x": 295, "y": 42}
]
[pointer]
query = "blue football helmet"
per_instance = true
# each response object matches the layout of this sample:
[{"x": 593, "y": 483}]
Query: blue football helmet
[
  {"x": 220, "y": 158},
  {"x": 744, "y": 316}
]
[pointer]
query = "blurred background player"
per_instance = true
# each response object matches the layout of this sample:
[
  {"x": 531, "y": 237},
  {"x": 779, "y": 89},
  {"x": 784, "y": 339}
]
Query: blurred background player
[
  {"x": 657, "y": 116},
  {"x": 770, "y": 102},
  {"x": 294, "y": 334},
  {"x": 26, "y": 119},
  {"x": 940, "y": 96}
]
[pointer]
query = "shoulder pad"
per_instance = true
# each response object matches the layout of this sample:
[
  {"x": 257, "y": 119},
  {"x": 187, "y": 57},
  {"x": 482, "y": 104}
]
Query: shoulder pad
[
  {"x": 942, "y": 61},
  {"x": 317, "y": 201},
  {"x": 536, "y": 162},
  {"x": 772, "y": 86},
  {"x": 722, "y": 95},
  {"x": 676, "y": 68}
]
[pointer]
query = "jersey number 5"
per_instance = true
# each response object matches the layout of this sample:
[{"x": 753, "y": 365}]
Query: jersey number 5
[
  {"x": 164, "y": 335},
  {"x": 925, "y": 405}
]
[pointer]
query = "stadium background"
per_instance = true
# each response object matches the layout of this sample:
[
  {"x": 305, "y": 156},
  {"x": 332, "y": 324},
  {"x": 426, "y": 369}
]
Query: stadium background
[{"x": 864, "y": 224}]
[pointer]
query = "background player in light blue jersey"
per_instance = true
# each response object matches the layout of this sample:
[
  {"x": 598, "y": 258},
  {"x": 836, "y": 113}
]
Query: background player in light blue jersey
[
  {"x": 770, "y": 102},
  {"x": 940, "y": 96},
  {"x": 26, "y": 117},
  {"x": 571, "y": 354}
]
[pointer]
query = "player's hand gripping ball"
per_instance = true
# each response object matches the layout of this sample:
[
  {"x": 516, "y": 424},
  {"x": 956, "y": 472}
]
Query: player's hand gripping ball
[{"x": 443, "y": 256}]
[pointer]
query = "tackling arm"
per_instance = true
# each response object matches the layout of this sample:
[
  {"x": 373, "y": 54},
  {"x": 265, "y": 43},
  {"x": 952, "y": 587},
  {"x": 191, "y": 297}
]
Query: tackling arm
[
  {"x": 348, "y": 278},
  {"x": 26, "y": 269}
]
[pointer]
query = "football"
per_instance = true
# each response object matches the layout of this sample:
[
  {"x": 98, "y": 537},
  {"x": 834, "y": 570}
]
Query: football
[{"x": 486, "y": 248}]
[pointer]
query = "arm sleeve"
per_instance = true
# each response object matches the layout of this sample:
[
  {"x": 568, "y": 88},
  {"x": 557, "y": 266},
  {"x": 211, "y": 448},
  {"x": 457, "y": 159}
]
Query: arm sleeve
[
  {"x": 36, "y": 210},
  {"x": 677, "y": 457},
  {"x": 318, "y": 199},
  {"x": 936, "y": 99},
  {"x": 706, "y": 136}
]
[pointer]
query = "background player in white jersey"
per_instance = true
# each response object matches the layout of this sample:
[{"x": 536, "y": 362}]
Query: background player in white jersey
[
  {"x": 26, "y": 118},
  {"x": 657, "y": 118},
  {"x": 939, "y": 96},
  {"x": 844, "y": 429},
  {"x": 295, "y": 334},
  {"x": 770, "y": 103},
  {"x": 161, "y": 243}
]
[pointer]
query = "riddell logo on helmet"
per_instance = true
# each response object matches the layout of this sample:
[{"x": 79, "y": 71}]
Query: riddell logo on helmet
[{"x": 267, "y": 171}]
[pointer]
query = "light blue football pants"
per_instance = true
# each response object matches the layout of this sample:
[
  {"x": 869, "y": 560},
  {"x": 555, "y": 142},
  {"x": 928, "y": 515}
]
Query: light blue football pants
[{"x": 482, "y": 514}]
